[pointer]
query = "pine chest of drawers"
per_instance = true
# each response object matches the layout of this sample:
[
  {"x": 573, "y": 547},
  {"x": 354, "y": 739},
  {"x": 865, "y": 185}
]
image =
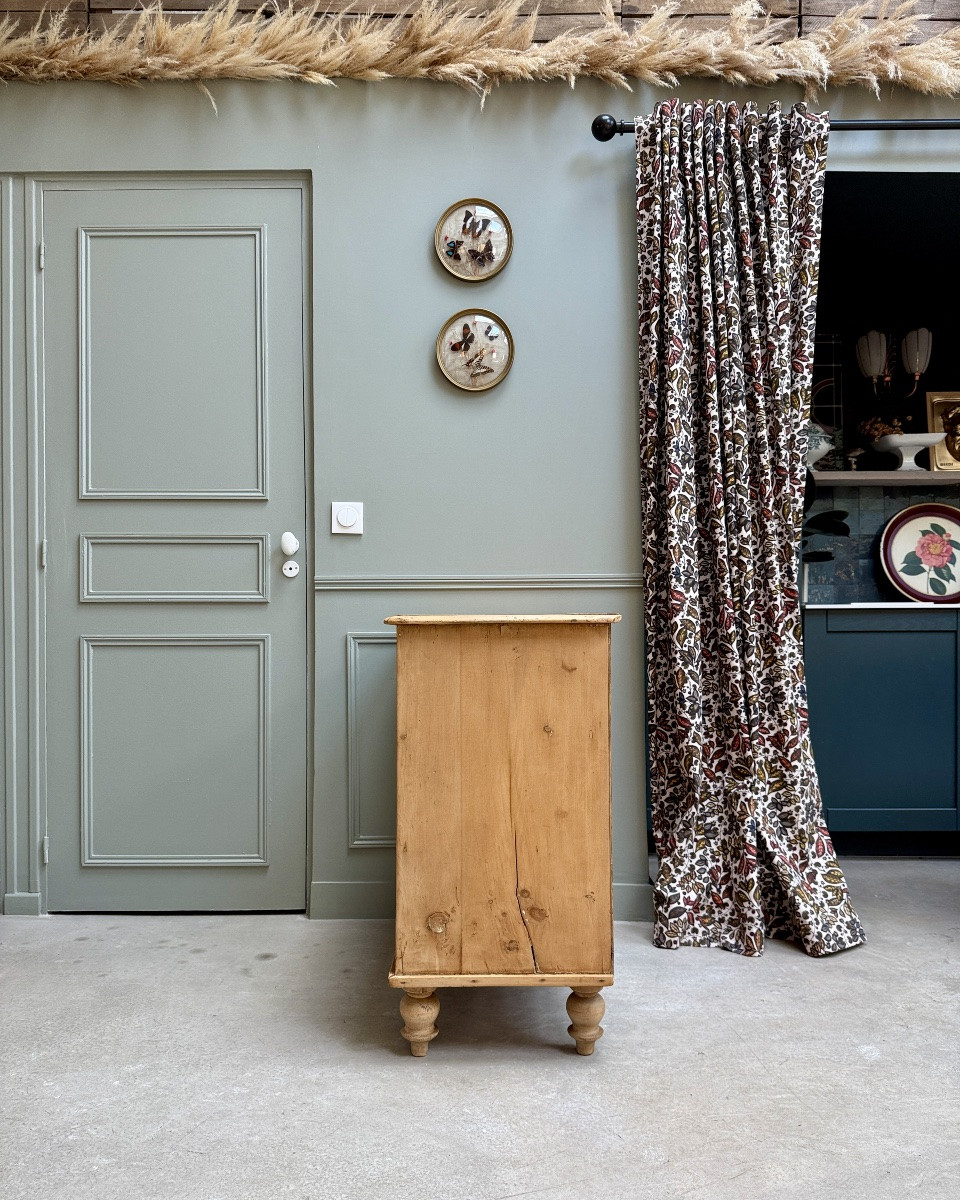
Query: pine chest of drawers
[{"x": 503, "y": 811}]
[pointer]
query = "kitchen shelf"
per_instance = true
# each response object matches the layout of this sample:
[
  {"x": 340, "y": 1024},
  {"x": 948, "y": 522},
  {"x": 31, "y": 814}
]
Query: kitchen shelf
[{"x": 916, "y": 479}]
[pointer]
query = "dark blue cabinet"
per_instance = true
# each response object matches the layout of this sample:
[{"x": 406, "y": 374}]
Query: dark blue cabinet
[{"x": 883, "y": 688}]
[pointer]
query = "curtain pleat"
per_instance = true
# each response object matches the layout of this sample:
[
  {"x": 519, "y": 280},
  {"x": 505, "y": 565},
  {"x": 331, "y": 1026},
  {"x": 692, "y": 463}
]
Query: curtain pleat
[{"x": 729, "y": 204}]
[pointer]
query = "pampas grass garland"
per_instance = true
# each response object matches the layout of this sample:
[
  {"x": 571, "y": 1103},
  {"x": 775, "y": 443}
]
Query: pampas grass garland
[{"x": 449, "y": 43}]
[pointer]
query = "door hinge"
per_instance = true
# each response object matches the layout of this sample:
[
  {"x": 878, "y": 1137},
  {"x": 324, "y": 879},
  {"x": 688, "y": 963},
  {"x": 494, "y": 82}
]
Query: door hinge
[
  {"x": 41, "y": 255},
  {"x": 43, "y": 555},
  {"x": 45, "y": 850}
]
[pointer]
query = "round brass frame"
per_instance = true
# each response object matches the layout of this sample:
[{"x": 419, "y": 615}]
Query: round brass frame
[
  {"x": 478, "y": 316},
  {"x": 465, "y": 273}
]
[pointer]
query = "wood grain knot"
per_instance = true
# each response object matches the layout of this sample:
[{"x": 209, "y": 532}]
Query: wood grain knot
[
  {"x": 548, "y": 730},
  {"x": 510, "y": 947},
  {"x": 437, "y": 922},
  {"x": 538, "y": 914}
]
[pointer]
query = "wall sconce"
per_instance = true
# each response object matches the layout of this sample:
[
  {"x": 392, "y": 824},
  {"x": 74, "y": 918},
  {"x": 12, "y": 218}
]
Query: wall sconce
[
  {"x": 915, "y": 354},
  {"x": 875, "y": 352},
  {"x": 872, "y": 357}
]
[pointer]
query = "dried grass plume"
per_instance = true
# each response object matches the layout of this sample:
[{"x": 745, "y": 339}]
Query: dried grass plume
[{"x": 451, "y": 43}]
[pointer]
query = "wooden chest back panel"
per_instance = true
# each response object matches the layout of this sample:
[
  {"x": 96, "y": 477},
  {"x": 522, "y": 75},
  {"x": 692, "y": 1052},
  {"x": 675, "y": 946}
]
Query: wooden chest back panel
[{"x": 503, "y": 776}]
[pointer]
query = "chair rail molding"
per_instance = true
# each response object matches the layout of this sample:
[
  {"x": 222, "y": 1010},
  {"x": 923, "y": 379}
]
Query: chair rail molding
[{"x": 416, "y": 583}]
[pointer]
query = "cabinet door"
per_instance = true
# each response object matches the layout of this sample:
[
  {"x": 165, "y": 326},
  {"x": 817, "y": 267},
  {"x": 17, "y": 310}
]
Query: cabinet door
[{"x": 882, "y": 691}]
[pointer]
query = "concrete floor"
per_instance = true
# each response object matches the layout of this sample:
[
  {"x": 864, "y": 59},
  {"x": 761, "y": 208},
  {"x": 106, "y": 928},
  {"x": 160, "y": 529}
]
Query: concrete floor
[{"x": 240, "y": 1058}]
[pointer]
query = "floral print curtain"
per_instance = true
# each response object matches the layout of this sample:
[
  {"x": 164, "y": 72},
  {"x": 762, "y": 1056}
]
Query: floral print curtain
[{"x": 729, "y": 204}]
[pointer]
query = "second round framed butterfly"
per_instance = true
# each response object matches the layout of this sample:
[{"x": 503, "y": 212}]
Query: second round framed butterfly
[
  {"x": 473, "y": 240},
  {"x": 474, "y": 349}
]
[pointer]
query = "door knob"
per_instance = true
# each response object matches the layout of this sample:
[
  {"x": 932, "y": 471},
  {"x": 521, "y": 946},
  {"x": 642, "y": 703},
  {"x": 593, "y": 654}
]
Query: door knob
[{"x": 289, "y": 544}]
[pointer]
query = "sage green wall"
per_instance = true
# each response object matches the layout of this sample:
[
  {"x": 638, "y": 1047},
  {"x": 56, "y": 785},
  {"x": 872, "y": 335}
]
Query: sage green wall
[{"x": 523, "y": 498}]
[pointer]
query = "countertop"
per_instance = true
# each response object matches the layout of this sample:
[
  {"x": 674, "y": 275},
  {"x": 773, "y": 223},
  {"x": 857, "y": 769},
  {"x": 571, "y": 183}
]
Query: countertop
[{"x": 884, "y": 604}]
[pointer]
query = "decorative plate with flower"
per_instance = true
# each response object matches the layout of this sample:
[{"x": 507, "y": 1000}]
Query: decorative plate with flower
[{"x": 920, "y": 550}]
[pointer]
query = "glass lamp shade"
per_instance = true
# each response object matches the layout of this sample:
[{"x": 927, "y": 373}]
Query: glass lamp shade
[
  {"x": 872, "y": 353},
  {"x": 915, "y": 351}
]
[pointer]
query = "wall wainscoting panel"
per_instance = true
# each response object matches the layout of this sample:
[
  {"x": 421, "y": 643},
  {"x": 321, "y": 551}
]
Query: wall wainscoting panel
[{"x": 371, "y": 742}]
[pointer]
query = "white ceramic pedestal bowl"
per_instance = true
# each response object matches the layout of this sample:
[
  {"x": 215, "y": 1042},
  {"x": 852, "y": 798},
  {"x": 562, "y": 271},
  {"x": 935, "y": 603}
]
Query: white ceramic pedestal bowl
[{"x": 906, "y": 446}]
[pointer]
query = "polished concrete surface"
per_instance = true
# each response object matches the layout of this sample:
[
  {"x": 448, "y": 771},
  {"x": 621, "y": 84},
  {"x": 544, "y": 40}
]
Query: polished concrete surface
[{"x": 249, "y": 1057}]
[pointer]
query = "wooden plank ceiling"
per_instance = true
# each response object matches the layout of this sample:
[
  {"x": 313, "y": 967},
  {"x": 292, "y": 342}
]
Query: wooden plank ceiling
[{"x": 556, "y": 16}]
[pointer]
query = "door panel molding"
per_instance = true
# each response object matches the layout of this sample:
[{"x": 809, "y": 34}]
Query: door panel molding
[
  {"x": 87, "y": 236},
  {"x": 91, "y": 856},
  {"x": 257, "y": 593}
]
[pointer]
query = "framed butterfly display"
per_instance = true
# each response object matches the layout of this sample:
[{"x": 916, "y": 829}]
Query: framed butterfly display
[
  {"x": 473, "y": 239},
  {"x": 475, "y": 350}
]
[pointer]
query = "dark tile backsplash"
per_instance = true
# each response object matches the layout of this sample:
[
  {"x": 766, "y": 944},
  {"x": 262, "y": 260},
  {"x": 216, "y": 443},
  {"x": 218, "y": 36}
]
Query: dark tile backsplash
[{"x": 855, "y": 575}]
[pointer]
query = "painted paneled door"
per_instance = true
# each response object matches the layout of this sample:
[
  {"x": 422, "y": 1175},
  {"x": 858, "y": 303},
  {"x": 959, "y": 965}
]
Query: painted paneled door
[{"x": 176, "y": 649}]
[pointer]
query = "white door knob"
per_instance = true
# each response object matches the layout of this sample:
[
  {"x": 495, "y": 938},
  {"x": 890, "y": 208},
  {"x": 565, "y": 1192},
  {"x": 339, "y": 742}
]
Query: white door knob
[
  {"x": 289, "y": 544},
  {"x": 291, "y": 569}
]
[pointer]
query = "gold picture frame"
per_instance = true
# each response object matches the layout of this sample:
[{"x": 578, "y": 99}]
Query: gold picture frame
[
  {"x": 943, "y": 416},
  {"x": 475, "y": 349},
  {"x": 473, "y": 240}
]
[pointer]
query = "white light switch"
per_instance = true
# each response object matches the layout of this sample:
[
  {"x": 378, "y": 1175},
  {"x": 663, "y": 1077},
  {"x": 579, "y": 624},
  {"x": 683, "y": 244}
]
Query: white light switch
[{"x": 346, "y": 517}]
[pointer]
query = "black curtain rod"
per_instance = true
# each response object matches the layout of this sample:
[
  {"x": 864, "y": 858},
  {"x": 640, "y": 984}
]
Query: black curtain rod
[{"x": 606, "y": 127}]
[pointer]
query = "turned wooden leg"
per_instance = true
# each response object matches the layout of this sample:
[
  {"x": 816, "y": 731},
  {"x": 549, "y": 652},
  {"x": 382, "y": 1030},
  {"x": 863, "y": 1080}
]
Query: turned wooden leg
[
  {"x": 419, "y": 1008},
  {"x": 585, "y": 1007}
]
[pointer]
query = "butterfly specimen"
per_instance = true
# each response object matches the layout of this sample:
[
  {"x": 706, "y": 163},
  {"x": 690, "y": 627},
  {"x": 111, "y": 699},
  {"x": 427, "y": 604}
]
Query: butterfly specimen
[
  {"x": 453, "y": 250},
  {"x": 475, "y": 349},
  {"x": 474, "y": 227},
  {"x": 477, "y": 366},
  {"x": 465, "y": 339},
  {"x": 484, "y": 257}
]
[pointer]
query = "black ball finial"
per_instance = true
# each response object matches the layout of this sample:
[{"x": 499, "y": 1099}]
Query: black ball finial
[{"x": 604, "y": 127}]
